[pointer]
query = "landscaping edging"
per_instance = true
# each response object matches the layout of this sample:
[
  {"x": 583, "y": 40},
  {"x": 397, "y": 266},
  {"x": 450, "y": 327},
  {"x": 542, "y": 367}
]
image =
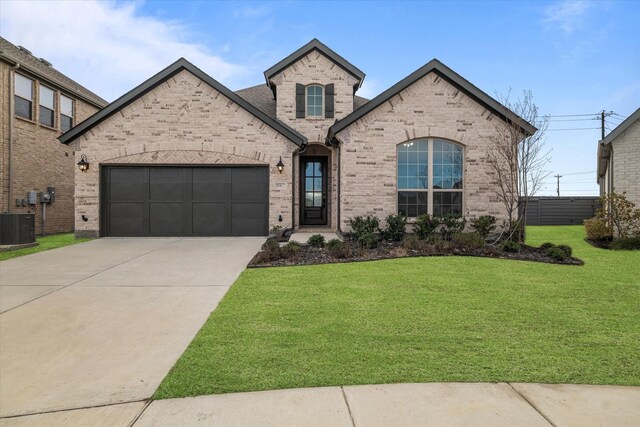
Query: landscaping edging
[{"x": 308, "y": 255}]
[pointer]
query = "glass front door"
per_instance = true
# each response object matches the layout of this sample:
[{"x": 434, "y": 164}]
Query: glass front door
[{"x": 313, "y": 191}]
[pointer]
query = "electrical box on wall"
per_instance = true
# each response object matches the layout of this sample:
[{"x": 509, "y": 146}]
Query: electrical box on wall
[
  {"x": 52, "y": 194},
  {"x": 45, "y": 197},
  {"x": 32, "y": 198}
]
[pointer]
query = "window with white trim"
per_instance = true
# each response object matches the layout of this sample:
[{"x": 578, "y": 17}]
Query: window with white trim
[
  {"x": 23, "y": 98},
  {"x": 430, "y": 177},
  {"x": 66, "y": 113},
  {"x": 315, "y": 101},
  {"x": 47, "y": 109}
]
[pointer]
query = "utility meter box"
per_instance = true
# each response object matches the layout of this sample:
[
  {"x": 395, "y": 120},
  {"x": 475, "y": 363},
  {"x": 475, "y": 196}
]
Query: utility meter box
[
  {"x": 32, "y": 198},
  {"x": 45, "y": 197},
  {"x": 52, "y": 194}
]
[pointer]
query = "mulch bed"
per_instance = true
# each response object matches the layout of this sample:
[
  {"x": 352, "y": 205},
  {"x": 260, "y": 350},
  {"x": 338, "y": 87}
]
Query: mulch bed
[
  {"x": 602, "y": 244},
  {"x": 388, "y": 250}
]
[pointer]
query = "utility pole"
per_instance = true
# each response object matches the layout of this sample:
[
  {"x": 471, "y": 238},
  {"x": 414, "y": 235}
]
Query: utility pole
[
  {"x": 558, "y": 186},
  {"x": 602, "y": 124}
]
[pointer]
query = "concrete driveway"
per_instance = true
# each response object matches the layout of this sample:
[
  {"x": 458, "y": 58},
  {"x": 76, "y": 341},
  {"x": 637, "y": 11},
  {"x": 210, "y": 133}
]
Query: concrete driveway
[{"x": 102, "y": 322}]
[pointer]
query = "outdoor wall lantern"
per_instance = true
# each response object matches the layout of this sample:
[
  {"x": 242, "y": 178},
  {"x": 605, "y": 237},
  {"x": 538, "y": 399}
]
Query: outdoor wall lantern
[
  {"x": 83, "y": 165},
  {"x": 280, "y": 165}
]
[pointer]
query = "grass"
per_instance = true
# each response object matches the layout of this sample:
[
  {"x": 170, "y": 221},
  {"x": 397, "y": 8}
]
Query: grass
[
  {"x": 423, "y": 320},
  {"x": 45, "y": 243}
]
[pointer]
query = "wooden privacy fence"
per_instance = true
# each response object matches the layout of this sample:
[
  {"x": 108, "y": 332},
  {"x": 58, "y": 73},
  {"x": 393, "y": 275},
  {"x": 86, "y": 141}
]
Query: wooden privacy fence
[{"x": 561, "y": 210}]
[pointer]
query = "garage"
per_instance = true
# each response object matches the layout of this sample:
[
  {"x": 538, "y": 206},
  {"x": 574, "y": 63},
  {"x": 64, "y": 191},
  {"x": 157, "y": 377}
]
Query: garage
[{"x": 143, "y": 201}]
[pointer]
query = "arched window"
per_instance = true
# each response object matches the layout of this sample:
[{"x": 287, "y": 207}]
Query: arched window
[
  {"x": 430, "y": 176},
  {"x": 315, "y": 97}
]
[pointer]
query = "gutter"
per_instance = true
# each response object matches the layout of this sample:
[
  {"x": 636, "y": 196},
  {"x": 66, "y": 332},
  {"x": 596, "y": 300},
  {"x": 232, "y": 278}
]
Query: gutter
[{"x": 10, "y": 149}]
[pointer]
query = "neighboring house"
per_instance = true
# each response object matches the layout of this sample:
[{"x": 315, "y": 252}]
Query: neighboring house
[
  {"x": 619, "y": 160},
  {"x": 38, "y": 104},
  {"x": 183, "y": 155}
]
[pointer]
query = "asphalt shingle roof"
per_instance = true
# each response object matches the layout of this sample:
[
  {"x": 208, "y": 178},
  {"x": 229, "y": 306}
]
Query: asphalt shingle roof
[{"x": 29, "y": 62}]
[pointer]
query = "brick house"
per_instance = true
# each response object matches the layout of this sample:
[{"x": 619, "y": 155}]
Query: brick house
[
  {"x": 183, "y": 155},
  {"x": 38, "y": 104},
  {"x": 619, "y": 160}
]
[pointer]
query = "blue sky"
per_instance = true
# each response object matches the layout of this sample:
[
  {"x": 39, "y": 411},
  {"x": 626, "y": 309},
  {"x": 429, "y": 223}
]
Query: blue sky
[{"x": 577, "y": 57}]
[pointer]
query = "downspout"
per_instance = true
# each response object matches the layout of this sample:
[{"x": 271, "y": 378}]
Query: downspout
[{"x": 10, "y": 149}]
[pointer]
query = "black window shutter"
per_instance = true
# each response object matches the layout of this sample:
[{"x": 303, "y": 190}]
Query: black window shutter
[
  {"x": 328, "y": 101},
  {"x": 300, "y": 108}
]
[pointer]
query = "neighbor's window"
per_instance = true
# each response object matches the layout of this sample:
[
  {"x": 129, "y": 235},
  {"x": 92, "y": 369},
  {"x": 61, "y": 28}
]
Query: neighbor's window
[
  {"x": 314, "y": 101},
  {"x": 46, "y": 106},
  {"x": 430, "y": 178},
  {"x": 23, "y": 99},
  {"x": 66, "y": 113}
]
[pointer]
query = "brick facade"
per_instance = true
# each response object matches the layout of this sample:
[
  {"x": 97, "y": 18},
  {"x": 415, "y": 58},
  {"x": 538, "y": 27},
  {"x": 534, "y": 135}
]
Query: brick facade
[
  {"x": 315, "y": 68},
  {"x": 626, "y": 163},
  {"x": 38, "y": 159},
  {"x": 431, "y": 107},
  {"x": 182, "y": 121}
]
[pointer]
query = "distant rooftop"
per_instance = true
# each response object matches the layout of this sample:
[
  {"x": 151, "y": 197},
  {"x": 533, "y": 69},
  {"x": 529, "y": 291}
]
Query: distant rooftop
[{"x": 45, "y": 71}]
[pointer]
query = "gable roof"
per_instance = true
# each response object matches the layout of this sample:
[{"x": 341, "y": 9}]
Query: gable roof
[
  {"x": 317, "y": 45},
  {"x": 161, "y": 77},
  {"x": 44, "y": 71},
  {"x": 622, "y": 127},
  {"x": 604, "y": 148},
  {"x": 441, "y": 70}
]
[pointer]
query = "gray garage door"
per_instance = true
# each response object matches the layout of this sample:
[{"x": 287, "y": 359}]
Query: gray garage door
[{"x": 185, "y": 201}]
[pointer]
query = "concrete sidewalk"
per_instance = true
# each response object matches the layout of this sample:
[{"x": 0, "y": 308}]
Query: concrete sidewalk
[{"x": 438, "y": 404}]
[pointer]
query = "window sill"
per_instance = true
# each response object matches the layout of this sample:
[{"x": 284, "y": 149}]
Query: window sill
[
  {"x": 48, "y": 127},
  {"x": 315, "y": 119},
  {"x": 33, "y": 122}
]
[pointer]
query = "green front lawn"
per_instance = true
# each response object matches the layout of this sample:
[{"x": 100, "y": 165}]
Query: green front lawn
[
  {"x": 423, "y": 320},
  {"x": 45, "y": 243}
]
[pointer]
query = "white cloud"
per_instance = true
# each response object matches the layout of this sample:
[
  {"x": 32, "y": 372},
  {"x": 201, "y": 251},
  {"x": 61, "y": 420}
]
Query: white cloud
[
  {"x": 106, "y": 46},
  {"x": 567, "y": 15}
]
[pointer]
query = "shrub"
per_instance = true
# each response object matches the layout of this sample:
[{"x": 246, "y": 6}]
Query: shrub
[
  {"x": 597, "y": 229},
  {"x": 271, "y": 251},
  {"x": 363, "y": 225},
  {"x": 442, "y": 246},
  {"x": 368, "y": 241},
  {"x": 452, "y": 224},
  {"x": 411, "y": 243},
  {"x": 270, "y": 244},
  {"x": 425, "y": 226},
  {"x": 290, "y": 249},
  {"x": 338, "y": 248},
  {"x": 317, "y": 241},
  {"x": 617, "y": 210},
  {"x": 630, "y": 243},
  {"x": 468, "y": 241},
  {"x": 484, "y": 225},
  {"x": 556, "y": 253},
  {"x": 547, "y": 245},
  {"x": 276, "y": 231},
  {"x": 566, "y": 249},
  {"x": 510, "y": 246},
  {"x": 395, "y": 229}
]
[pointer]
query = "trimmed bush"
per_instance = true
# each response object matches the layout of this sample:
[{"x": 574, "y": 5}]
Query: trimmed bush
[
  {"x": 510, "y": 246},
  {"x": 270, "y": 244},
  {"x": 468, "y": 241},
  {"x": 566, "y": 249},
  {"x": 271, "y": 251},
  {"x": 368, "y": 241},
  {"x": 395, "y": 229},
  {"x": 597, "y": 229},
  {"x": 338, "y": 248},
  {"x": 317, "y": 241},
  {"x": 290, "y": 249},
  {"x": 629, "y": 244},
  {"x": 411, "y": 242},
  {"x": 425, "y": 226},
  {"x": 363, "y": 225},
  {"x": 556, "y": 253},
  {"x": 547, "y": 245},
  {"x": 451, "y": 225},
  {"x": 484, "y": 225}
]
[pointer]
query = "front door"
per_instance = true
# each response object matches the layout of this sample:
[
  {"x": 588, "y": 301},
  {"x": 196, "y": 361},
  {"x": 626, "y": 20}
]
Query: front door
[{"x": 313, "y": 194}]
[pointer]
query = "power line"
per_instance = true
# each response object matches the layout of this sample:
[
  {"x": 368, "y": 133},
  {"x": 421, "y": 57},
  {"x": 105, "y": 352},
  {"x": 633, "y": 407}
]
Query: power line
[
  {"x": 579, "y": 173},
  {"x": 556, "y": 130},
  {"x": 574, "y": 120},
  {"x": 572, "y": 115}
]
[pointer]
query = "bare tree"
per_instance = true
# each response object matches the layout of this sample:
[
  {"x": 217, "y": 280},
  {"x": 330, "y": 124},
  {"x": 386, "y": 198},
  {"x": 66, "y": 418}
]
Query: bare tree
[{"x": 518, "y": 158}]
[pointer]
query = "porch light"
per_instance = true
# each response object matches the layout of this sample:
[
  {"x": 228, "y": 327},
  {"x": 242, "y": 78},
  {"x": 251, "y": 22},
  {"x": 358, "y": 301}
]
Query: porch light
[
  {"x": 83, "y": 164},
  {"x": 280, "y": 165}
]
